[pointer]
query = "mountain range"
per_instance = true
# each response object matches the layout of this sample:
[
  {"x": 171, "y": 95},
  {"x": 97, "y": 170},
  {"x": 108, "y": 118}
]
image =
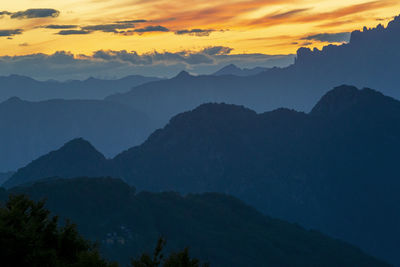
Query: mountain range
[
  {"x": 30, "y": 89},
  {"x": 218, "y": 229},
  {"x": 370, "y": 59},
  {"x": 333, "y": 169}
]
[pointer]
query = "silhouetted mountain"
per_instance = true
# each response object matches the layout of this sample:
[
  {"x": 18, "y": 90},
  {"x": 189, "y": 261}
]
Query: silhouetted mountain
[
  {"x": 33, "y": 90},
  {"x": 232, "y": 69},
  {"x": 76, "y": 156},
  {"x": 334, "y": 169},
  {"x": 31, "y": 129},
  {"x": 369, "y": 60},
  {"x": 218, "y": 228}
]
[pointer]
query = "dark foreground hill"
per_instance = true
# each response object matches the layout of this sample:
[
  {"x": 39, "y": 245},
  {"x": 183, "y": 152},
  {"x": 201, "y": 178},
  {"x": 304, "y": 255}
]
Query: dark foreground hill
[
  {"x": 218, "y": 228},
  {"x": 334, "y": 169}
]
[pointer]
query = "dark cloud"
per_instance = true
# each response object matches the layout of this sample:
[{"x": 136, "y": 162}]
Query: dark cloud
[
  {"x": 287, "y": 14},
  {"x": 4, "y": 13},
  {"x": 73, "y": 32},
  {"x": 59, "y": 27},
  {"x": 185, "y": 57},
  {"x": 120, "y": 27},
  {"x": 195, "y": 32},
  {"x": 24, "y": 44},
  {"x": 109, "y": 27},
  {"x": 330, "y": 37},
  {"x": 35, "y": 13},
  {"x": 217, "y": 50},
  {"x": 8, "y": 33},
  {"x": 158, "y": 28},
  {"x": 132, "y": 21}
]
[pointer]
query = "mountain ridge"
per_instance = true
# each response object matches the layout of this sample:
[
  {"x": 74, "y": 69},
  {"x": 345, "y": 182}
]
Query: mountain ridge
[
  {"x": 292, "y": 165},
  {"x": 298, "y": 86},
  {"x": 30, "y": 89},
  {"x": 208, "y": 223},
  {"x": 232, "y": 69}
]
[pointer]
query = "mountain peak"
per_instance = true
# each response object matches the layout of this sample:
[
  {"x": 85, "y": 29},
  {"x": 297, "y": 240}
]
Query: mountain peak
[
  {"x": 13, "y": 99},
  {"x": 183, "y": 74},
  {"x": 76, "y": 156},
  {"x": 231, "y": 67},
  {"x": 394, "y": 24},
  {"x": 344, "y": 97},
  {"x": 78, "y": 143}
]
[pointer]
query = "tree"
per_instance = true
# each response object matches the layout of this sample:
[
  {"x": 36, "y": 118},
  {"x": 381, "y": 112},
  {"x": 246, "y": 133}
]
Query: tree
[
  {"x": 29, "y": 236},
  {"x": 176, "y": 259}
]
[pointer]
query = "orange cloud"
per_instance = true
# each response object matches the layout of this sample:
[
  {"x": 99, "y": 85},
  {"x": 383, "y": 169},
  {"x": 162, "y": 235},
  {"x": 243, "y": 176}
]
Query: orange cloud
[
  {"x": 256, "y": 26},
  {"x": 301, "y": 16}
]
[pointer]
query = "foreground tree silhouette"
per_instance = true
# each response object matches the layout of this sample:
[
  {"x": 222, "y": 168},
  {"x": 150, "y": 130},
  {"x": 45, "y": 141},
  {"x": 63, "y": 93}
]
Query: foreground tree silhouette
[
  {"x": 29, "y": 236},
  {"x": 179, "y": 259}
]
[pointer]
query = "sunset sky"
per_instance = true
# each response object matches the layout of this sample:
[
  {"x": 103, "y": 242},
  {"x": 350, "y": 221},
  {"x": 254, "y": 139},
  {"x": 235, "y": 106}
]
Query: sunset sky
[{"x": 82, "y": 27}]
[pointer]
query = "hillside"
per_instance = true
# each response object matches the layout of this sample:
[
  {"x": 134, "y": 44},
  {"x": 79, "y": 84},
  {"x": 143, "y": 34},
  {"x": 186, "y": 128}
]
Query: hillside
[
  {"x": 76, "y": 156},
  {"x": 218, "y": 228},
  {"x": 333, "y": 169}
]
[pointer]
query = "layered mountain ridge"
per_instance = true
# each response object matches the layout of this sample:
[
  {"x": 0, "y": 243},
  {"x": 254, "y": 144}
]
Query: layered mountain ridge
[
  {"x": 325, "y": 169},
  {"x": 33, "y": 90},
  {"x": 370, "y": 60}
]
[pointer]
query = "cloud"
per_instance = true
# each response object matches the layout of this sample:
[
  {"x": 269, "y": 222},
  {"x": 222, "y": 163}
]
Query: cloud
[
  {"x": 73, "y": 32},
  {"x": 109, "y": 27},
  {"x": 63, "y": 65},
  {"x": 8, "y": 33},
  {"x": 330, "y": 37},
  {"x": 24, "y": 44},
  {"x": 213, "y": 14},
  {"x": 59, "y": 27},
  {"x": 132, "y": 21},
  {"x": 36, "y": 13},
  {"x": 286, "y": 14},
  {"x": 300, "y": 16},
  {"x": 184, "y": 57},
  {"x": 152, "y": 29},
  {"x": 119, "y": 27},
  {"x": 217, "y": 50},
  {"x": 4, "y": 13},
  {"x": 195, "y": 32}
]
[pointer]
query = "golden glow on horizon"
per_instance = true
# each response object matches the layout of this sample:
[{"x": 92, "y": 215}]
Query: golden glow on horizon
[{"x": 248, "y": 26}]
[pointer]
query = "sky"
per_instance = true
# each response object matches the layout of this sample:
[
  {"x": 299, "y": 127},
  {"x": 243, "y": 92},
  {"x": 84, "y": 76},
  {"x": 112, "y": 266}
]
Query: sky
[{"x": 182, "y": 34}]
